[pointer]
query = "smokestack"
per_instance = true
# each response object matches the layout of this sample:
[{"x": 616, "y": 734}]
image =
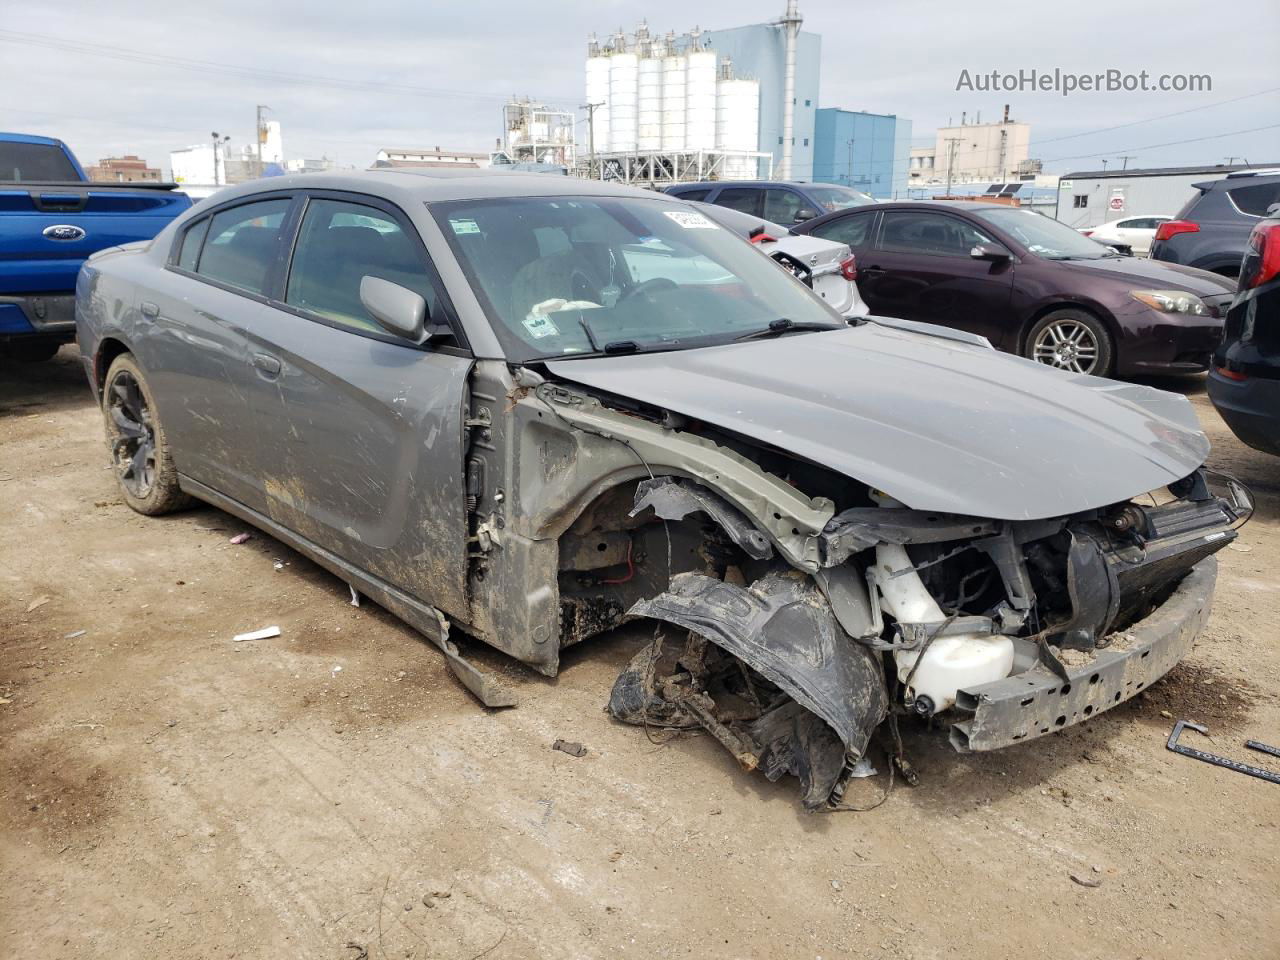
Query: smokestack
[
  {"x": 1006, "y": 113},
  {"x": 790, "y": 24}
]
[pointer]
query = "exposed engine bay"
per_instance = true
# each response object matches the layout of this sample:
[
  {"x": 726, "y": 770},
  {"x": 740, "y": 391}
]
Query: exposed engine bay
[{"x": 792, "y": 651}]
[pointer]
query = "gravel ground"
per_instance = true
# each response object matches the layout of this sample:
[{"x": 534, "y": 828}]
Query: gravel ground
[{"x": 334, "y": 793}]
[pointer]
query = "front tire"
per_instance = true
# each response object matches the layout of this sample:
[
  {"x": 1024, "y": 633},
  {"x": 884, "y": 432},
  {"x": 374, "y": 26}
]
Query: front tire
[
  {"x": 1074, "y": 341},
  {"x": 140, "y": 453}
]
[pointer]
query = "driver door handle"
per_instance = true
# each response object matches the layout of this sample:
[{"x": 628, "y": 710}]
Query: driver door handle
[{"x": 268, "y": 364}]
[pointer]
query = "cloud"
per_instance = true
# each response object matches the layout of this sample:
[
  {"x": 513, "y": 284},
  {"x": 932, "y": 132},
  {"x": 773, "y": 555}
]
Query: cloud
[{"x": 406, "y": 74}]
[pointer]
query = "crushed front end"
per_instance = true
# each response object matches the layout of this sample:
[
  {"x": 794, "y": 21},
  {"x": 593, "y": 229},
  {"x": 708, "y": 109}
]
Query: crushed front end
[{"x": 1007, "y": 630}]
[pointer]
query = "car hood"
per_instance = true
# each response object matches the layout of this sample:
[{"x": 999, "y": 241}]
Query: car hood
[
  {"x": 1147, "y": 274},
  {"x": 936, "y": 423}
]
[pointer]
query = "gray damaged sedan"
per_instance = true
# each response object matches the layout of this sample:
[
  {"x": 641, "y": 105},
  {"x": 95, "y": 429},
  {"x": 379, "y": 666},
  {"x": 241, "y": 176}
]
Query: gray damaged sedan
[{"x": 523, "y": 409}]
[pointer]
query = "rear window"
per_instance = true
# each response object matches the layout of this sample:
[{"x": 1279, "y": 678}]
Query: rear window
[
  {"x": 28, "y": 162},
  {"x": 242, "y": 244},
  {"x": 698, "y": 194},
  {"x": 1255, "y": 198}
]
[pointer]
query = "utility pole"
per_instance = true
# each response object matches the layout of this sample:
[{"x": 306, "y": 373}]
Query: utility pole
[
  {"x": 260, "y": 134},
  {"x": 1231, "y": 160},
  {"x": 591, "y": 136},
  {"x": 951, "y": 161},
  {"x": 1104, "y": 165},
  {"x": 1125, "y": 164},
  {"x": 218, "y": 143}
]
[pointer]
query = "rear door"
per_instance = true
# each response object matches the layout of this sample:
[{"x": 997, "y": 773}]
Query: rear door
[
  {"x": 194, "y": 339},
  {"x": 747, "y": 200},
  {"x": 358, "y": 433},
  {"x": 920, "y": 268}
]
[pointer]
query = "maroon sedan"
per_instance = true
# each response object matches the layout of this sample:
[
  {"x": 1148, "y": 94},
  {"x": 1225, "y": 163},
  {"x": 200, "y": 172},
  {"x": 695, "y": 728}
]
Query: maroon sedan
[{"x": 1031, "y": 286}]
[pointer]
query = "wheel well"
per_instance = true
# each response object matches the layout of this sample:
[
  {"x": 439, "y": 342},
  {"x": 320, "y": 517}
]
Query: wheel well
[
  {"x": 108, "y": 350},
  {"x": 1043, "y": 312}
]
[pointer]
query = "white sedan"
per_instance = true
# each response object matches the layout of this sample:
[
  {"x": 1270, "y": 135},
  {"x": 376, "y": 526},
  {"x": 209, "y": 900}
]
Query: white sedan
[{"x": 1136, "y": 233}]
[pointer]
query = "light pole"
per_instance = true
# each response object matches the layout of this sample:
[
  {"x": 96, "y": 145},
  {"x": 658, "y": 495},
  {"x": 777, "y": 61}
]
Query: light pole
[{"x": 218, "y": 142}]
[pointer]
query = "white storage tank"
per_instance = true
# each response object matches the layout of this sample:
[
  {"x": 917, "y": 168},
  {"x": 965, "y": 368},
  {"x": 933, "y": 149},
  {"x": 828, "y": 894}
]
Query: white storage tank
[
  {"x": 738, "y": 125},
  {"x": 623, "y": 76},
  {"x": 649, "y": 105},
  {"x": 700, "y": 101},
  {"x": 598, "y": 92},
  {"x": 673, "y": 102}
]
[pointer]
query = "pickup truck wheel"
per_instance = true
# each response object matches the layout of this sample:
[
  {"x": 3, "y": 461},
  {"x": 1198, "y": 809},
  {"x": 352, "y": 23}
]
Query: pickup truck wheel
[
  {"x": 35, "y": 351},
  {"x": 139, "y": 449},
  {"x": 1072, "y": 340}
]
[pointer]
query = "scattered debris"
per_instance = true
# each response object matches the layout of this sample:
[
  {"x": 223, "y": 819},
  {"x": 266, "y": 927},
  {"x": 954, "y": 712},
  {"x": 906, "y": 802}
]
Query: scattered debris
[
  {"x": 1085, "y": 881},
  {"x": 38, "y": 602},
  {"x": 1262, "y": 774},
  {"x": 241, "y": 537},
  {"x": 615, "y": 856},
  {"x": 570, "y": 747},
  {"x": 278, "y": 563},
  {"x": 4, "y": 701},
  {"x": 355, "y": 597},
  {"x": 1240, "y": 547},
  {"x": 362, "y": 952},
  {"x": 263, "y": 634},
  {"x": 1166, "y": 714},
  {"x": 74, "y": 634}
]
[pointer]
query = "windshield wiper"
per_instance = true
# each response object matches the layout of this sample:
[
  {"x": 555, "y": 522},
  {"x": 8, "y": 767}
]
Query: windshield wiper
[{"x": 785, "y": 325}]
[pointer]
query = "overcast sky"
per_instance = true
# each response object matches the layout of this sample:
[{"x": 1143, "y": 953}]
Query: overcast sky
[{"x": 395, "y": 73}]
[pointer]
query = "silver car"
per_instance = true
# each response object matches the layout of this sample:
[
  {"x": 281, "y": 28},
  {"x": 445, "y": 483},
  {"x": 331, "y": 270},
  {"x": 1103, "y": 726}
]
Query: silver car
[{"x": 521, "y": 409}]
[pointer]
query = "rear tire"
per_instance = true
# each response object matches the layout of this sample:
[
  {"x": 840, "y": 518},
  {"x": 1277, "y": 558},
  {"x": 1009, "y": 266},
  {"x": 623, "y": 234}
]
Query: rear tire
[
  {"x": 140, "y": 454},
  {"x": 1072, "y": 340}
]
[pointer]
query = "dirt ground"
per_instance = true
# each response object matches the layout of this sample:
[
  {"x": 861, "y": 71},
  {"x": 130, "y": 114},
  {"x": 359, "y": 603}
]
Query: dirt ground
[{"x": 334, "y": 793}]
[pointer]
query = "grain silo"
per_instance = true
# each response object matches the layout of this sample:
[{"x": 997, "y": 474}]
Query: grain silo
[
  {"x": 649, "y": 94},
  {"x": 673, "y": 97},
  {"x": 737, "y": 121},
  {"x": 700, "y": 99},
  {"x": 623, "y": 76},
  {"x": 598, "y": 95}
]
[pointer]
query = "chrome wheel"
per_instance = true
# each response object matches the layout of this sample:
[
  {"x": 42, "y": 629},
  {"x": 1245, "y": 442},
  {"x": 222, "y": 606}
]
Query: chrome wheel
[
  {"x": 1067, "y": 345},
  {"x": 133, "y": 441}
]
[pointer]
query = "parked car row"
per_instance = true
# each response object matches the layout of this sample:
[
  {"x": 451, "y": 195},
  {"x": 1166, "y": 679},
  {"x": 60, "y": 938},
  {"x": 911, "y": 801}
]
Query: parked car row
[{"x": 529, "y": 407}]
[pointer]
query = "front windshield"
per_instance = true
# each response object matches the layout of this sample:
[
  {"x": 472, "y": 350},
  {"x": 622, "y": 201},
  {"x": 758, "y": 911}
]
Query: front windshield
[
  {"x": 839, "y": 198},
  {"x": 565, "y": 276},
  {"x": 1044, "y": 237}
]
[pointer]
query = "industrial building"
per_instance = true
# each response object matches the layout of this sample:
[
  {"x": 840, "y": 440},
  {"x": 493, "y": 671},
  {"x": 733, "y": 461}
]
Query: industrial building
[
  {"x": 975, "y": 151},
  {"x": 733, "y": 104},
  {"x": 422, "y": 158},
  {"x": 536, "y": 134},
  {"x": 866, "y": 151},
  {"x": 1090, "y": 198}
]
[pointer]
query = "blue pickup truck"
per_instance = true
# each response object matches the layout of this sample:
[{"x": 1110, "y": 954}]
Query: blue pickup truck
[{"x": 52, "y": 217}]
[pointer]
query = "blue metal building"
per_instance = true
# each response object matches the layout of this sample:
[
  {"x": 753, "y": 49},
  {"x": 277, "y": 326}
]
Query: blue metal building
[
  {"x": 866, "y": 151},
  {"x": 757, "y": 52}
]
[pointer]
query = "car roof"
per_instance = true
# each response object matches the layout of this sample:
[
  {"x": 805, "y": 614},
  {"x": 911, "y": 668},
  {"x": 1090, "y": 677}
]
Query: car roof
[
  {"x": 436, "y": 185},
  {"x": 28, "y": 138},
  {"x": 801, "y": 184}
]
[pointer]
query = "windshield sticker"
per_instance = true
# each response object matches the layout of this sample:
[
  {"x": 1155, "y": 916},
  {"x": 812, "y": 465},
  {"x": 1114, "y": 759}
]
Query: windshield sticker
[
  {"x": 461, "y": 226},
  {"x": 690, "y": 220},
  {"x": 539, "y": 325}
]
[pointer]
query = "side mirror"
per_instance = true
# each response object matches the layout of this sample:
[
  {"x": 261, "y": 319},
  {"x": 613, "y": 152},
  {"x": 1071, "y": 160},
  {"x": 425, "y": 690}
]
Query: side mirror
[
  {"x": 991, "y": 252},
  {"x": 803, "y": 214},
  {"x": 398, "y": 309}
]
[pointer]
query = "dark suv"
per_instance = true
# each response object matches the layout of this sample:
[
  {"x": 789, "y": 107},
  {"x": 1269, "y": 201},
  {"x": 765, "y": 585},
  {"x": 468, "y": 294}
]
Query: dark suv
[
  {"x": 1244, "y": 383},
  {"x": 780, "y": 201},
  {"x": 1212, "y": 230}
]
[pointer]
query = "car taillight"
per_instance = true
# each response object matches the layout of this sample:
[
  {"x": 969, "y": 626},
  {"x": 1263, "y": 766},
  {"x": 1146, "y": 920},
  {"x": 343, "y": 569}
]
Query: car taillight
[
  {"x": 849, "y": 268},
  {"x": 1171, "y": 228},
  {"x": 1264, "y": 249},
  {"x": 1087, "y": 233},
  {"x": 1231, "y": 374}
]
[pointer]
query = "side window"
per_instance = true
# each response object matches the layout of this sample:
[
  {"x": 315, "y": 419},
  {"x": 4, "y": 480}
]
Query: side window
[
  {"x": 1256, "y": 198},
  {"x": 743, "y": 199},
  {"x": 242, "y": 243},
  {"x": 699, "y": 194},
  {"x": 1080, "y": 201},
  {"x": 192, "y": 238},
  {"x": 339, "y": 244},
  {"x": 781, "y": 206},
  {"x": 928, "y": 233},
  {"x": 855, "y": 230}
]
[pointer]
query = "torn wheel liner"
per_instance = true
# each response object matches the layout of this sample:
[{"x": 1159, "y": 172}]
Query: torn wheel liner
[{"x": 783, "y": 628}]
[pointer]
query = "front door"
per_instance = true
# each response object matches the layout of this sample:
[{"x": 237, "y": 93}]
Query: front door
[
  {"x": 921, "y": 269},
  {"x": 360, "y": 433}
]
